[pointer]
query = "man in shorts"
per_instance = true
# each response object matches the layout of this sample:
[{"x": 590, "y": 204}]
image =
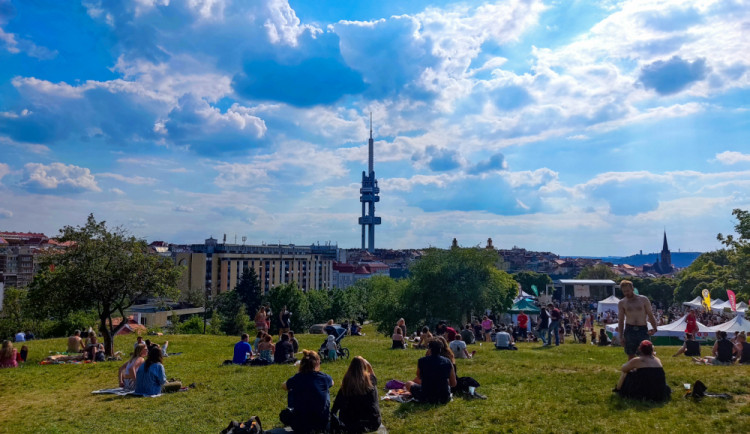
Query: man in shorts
[{"x": 633, "y": 311}]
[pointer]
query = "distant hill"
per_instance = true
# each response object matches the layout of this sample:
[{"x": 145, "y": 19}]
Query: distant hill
[{"x": 679, "y": 259}]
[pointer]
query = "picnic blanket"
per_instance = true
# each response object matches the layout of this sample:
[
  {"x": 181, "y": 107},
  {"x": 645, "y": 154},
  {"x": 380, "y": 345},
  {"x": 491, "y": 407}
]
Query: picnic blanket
[
  {"x": 398, "y": 395},
  {"x": 121, "y": 391}
]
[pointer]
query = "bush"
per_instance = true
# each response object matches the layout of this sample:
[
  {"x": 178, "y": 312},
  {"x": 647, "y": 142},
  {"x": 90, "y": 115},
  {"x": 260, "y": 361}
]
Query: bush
[{"x": 193, "y": 326}]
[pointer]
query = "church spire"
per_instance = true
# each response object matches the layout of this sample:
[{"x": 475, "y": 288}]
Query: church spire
[{"x": 665, "y": 247}]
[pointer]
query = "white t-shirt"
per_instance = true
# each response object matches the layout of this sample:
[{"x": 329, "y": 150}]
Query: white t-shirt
[{"x": 458, "y": 348}]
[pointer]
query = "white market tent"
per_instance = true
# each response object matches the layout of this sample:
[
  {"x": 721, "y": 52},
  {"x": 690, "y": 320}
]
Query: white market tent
[
  {"x": 736, "y": 324},
  {"x": 609, "y": 303},
  {"x": 718, "y": 305},
  {"x": 677, "y": 329},
  {"x": 694, "y": 303}
]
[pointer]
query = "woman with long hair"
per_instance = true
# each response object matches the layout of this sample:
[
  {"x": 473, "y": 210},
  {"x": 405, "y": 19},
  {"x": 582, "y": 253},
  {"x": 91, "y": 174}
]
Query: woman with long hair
[
  {"x": 308, "y": 400},
  {"x": 127, "y": 372},
  {"x": 150, "y": 376},
  {"x": 398, "y": 339},
  {"x": 266, "y": 349},
  {"x": 9, "y": 356},
  {"x": 357, "y": 401}
]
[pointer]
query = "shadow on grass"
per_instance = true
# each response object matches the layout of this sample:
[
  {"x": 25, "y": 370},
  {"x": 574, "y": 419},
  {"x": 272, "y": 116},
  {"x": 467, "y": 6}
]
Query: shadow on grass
[
  {"x": 543, "y": 348},
  {"x": 618, "y": 403},
  {"x": 410, "y": 408}
]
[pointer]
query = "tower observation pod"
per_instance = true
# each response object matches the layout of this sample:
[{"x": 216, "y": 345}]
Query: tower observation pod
[{"x": 368, "y": 196}]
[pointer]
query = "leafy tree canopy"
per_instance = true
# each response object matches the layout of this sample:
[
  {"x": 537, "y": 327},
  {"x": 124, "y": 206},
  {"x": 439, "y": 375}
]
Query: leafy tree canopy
[
  {"x": 598, "y": 271},
  {"x": 106, "y": 270}
]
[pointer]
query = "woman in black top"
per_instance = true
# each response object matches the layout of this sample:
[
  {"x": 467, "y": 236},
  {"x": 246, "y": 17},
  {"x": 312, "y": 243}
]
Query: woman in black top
[
  {"x": 357, "y": 400},
  {"x": 643, "y": 377},
  {"x": 723, "y": 349}
]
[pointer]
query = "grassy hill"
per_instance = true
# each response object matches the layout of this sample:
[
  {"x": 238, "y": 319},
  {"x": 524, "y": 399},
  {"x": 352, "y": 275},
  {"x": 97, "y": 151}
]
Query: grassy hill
[{"x": 560, "y": 389}]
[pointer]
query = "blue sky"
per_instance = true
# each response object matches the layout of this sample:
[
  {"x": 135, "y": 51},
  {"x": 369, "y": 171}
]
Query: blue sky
[{"x": 582, "y": 128}]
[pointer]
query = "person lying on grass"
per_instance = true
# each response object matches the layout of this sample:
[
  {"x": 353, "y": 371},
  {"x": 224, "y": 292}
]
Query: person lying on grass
[
  {"x": 435, "y": 376},
  {"x": 308, "y": 402},
  {"x": 151, "y": 379},
  {"x": 357, "y": 401},
  {"x": 127, "y": 372},
  {"x": 642, "y": 377}
]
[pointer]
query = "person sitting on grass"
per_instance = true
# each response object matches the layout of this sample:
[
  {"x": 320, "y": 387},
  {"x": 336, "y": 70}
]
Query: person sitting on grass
[
  {"x": 398, "y": 339},
  {"x": 75, "y": 345},
  {"x": 94, "y": 350},
  {"x": 258, "y": 340},
  {"x": 742, "y": 350},
  {"x": 603, "y": 340},
  {"x": 643, "y": 376},
  {"x": 128, "y": 371},
  {"x": 293, "y": 341},
  {"x": 242, "y": 350},
  {"x": 284, "y": 352},
  {"x": 458, "y": 346},
  {"x": 424, "y": 337},
  {"x": 467, "y": 335},
  {"x": 435, "y": 376},
  {"x": 162, "y": 348},
  {"x": 308, "y": 401},
  {"x": 151, "y": 379},
  {"x": 355, "y": 330},
  {"x": 722, "y": 351},
  {"x": 504, "y": 341},
  {"x": 443, "y": 329},
  {"x": 9, "y": 357},
  {"x": 690, "y": 347},
  {"x": 266, "y": 349},
  {"x": 357, "y": 401}
]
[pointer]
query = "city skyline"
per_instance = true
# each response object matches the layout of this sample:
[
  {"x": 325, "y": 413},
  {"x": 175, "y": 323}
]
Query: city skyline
[{"x": 580, "y": 128}]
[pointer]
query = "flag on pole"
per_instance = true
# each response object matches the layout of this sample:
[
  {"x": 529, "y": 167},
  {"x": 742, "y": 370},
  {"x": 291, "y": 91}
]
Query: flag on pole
[
  {"x": 533, "y": 288},
  {"x": 730, "y": 295},
  {"x": 706, "y": 299}
]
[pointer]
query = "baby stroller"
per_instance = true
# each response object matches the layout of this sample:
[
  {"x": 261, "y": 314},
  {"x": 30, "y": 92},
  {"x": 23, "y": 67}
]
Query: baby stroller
[{"x": 338, "y": 336}]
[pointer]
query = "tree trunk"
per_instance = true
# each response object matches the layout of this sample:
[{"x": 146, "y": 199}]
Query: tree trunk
[{"x": 109, "y": 344}]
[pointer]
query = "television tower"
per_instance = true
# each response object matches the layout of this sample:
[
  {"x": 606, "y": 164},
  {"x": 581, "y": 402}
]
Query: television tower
[{"x": 368, "y": 196}]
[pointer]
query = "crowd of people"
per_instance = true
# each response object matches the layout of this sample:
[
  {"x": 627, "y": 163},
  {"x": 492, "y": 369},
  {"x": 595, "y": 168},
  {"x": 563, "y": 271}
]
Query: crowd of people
[{"x": 356, "y": 405}]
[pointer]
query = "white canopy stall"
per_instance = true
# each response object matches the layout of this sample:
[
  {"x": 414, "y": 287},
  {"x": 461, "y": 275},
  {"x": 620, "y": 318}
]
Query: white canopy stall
[
  {"x": 736, "y": 324},
  {"x": 695, "y": 303},
  {"x": 609, "y": 303}
]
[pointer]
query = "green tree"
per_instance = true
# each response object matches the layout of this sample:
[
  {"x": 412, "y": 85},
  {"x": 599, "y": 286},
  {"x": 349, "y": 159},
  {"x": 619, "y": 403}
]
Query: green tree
[
  {"x": 387, "y": 301},
  {"x": 598, "y": 271},
  {"x": 249, "y": 291},
  {"x": 291, "y": 296},
  {"x": 174, "y": 323},
  {"x": 528, "y": 278},
  {"x": 106, "y": 270},
  {"x": 453, "y": 284},
  {"x": 710, "y": 271},
  {"x": 319, "y": 305},
  {"x": 660, "y": 290},
  {"x": 228, "y": 306},
  {"x": 192, "y": 326},
  {"x": 241, "y": 321},
  {"x": 738, "y": 279},
  {"x": 214, "y": 327}
]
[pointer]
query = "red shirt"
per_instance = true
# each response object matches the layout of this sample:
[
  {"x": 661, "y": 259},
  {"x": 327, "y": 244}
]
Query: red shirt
[
  {"x": 450, "y": 334},
  {"x": 692, "y": 325},
  {"x": 523, "y": 320}
]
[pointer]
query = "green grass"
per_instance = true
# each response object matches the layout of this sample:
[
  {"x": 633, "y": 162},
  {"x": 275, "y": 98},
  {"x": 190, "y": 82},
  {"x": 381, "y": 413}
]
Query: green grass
[{"x": 557, "y": 389}]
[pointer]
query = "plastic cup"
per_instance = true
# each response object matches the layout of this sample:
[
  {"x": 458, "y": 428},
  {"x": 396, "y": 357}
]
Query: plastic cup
[
  {"x": 471, "y": 390},
  {"x": 687, "y": 386}
]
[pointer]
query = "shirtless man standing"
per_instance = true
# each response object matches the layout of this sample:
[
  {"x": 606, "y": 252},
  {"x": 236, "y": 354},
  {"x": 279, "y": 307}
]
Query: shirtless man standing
[{"x": 636, "y": 308}]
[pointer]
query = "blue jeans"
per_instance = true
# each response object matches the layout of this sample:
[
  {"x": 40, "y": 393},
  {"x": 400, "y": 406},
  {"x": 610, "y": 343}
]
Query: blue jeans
[
  {"x": 542, "y": 333},
  {"x": 553, "y": 326}
]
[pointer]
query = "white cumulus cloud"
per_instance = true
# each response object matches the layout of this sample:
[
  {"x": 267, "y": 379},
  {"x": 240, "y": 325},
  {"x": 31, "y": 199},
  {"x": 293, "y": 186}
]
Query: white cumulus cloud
[{"x": 59, "y": 175}]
